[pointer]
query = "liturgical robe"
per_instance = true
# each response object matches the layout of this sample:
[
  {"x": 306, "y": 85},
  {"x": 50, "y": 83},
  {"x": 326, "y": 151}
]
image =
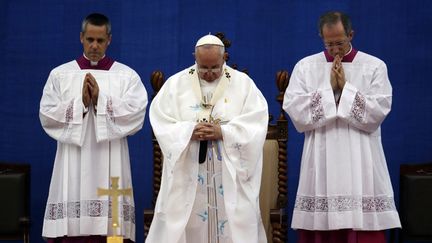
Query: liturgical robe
[
  {"x": 243, "y": 113},
  {"x": 91, "y": 148},
  {"x": 344, "y": 180}
]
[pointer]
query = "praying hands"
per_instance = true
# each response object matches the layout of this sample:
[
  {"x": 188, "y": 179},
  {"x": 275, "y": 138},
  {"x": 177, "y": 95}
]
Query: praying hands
[
  {"x": 337, "y": 75},
  {"x": 207, "y": 131},
  {"x": 90, "y": 90}
]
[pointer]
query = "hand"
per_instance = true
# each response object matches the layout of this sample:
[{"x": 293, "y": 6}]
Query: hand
[
  {"x": 93, "y": 88},
  {"x": 207, "y": 131},
  {"x": 341, "y": 79},
  {"x": 86, "y": 98},
  {"x": 334, "y": 74},
  {"x": 337, "y": 75}
]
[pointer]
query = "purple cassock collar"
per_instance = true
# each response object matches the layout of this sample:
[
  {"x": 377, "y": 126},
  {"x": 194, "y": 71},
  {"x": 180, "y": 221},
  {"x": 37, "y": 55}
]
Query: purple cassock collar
[
  {"x": 103, "y": 64},
  {"x": 347, "y": 58}
]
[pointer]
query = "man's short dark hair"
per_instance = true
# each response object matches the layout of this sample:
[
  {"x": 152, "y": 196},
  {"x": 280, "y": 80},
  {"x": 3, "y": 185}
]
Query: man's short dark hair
[
  {"x": 98, "y": 20},
  {"x": 333, "y": 17}
]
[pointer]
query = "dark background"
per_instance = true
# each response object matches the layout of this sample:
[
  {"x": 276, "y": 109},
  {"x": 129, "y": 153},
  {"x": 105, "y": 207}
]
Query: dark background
[{"x": 267, "y": 36}]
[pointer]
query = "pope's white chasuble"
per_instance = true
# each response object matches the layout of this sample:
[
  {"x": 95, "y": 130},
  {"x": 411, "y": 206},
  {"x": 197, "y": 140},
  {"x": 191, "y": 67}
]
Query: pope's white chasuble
[
  {"x": 208, "y": 221},
  {"x": 215, "y": 201}
]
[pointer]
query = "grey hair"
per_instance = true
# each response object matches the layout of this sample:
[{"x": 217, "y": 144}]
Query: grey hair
[
  {"x": 208, "y": 46},
  {"x": 333, "y": 17},
  {"x": 98, "y": 20}
]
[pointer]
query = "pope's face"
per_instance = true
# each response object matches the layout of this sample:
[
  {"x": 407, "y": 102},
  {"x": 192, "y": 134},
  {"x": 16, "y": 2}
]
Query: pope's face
[
  {"x": 210, "y": 62},
  {"x": 95, "y": 41},
  {"x": 335, "y": 39}
]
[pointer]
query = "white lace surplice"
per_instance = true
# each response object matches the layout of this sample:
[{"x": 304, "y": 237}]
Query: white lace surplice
[
  {"x": 344, "y": 180},
  {"x": 90, "y": 148}
]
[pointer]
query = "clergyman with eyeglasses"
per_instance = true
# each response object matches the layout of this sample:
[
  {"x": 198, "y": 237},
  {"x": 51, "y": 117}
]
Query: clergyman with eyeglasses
[
  {"x": 338, "y": 98},
  {"x": 211, "y": 122}
]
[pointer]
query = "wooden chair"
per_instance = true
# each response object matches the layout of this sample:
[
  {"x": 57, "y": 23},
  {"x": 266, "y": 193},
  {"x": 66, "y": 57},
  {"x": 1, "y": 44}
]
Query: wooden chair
[
  {"x": 273, "y": 193},
  {"x": 274, "y": 181},
  {"x": 15, "y": 202}
]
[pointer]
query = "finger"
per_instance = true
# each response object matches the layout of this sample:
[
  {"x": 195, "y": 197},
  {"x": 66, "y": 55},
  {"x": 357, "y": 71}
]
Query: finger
[
  {"x": 198, "y": 126},
  {"x": 334, "y": 63},
  {"x": 204, "y": 132},
  {"x": 89, "y": 83},
  {"x": 87, "y": 88},
  {"x": 337, "y": 63},
  {"x": 90, "y": 79},
  {"x": 90, "y": 76},
  {"x": 207, "y": 125},
  {"x": 200, "y": 136}
]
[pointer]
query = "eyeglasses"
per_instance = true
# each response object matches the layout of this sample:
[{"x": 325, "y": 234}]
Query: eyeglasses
[
  {"x": 335, "y": 44},
  {"x": 211, "y": 70}
]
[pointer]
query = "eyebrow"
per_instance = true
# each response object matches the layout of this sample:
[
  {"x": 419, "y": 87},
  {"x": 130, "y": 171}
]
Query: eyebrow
[{"x": 214, "y": 66}]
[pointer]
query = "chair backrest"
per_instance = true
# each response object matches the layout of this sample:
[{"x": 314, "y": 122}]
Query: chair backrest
[
  {"x": 15, "y": 202},
  {"x": 274, "y": 181}
]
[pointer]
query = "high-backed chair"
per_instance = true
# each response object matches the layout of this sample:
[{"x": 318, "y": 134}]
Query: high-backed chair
[
  {"x": 15, "y": 201},
  {"x": 274, "y": 181}
]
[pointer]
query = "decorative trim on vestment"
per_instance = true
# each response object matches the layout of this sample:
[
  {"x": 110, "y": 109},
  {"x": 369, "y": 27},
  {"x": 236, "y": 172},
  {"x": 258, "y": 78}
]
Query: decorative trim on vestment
[
  {"x": 86, "y": 208},
  {"x": 358, "y": 107},
  {"x": 69, "y": 112},
  {"x": 112, "y": 128},
  {"x": 344, "y": 203},
  {"x": 227, "y": 74},
  {"x": 317, "y": 109},
  {"x": 239, "y": 148},
  {"x": 67, "y": 129}
]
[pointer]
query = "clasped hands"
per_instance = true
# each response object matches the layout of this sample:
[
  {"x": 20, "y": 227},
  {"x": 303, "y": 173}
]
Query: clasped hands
[
  {"x": 207, "y": 131},
  {"x": 337, "y": 75},
  {"x": 90, "y": 91}
]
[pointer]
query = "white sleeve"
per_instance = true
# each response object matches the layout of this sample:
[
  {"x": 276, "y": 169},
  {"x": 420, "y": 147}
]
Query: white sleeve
[
  {"x": 118, "y": 117},
  {"x": 173, "y": 134},
  {"x": 367, "y": 110},
  {"x": 309, "y": 108},
  {"x": 244, "y": 135},
  {"x": 61, "y": 118}
]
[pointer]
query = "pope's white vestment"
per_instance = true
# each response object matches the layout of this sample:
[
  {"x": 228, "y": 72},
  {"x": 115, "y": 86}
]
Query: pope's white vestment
[
  {"x": 344, "y": 181},
  {"x": 91, "y": 148},
  {"x": 242, "y": 111}
]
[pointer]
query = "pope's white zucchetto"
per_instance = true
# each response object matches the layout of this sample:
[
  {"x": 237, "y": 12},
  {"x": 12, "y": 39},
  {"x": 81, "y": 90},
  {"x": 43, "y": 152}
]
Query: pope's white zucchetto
[{"x": 209, "y": 40}]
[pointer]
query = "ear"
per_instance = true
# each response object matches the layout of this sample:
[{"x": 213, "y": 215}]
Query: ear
[
  {"x": 109, "y": 39},
  {"x": 81, "y": 37},
  {"x": 226, "y": 56},
  {"x": 351, "y": 35}
]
